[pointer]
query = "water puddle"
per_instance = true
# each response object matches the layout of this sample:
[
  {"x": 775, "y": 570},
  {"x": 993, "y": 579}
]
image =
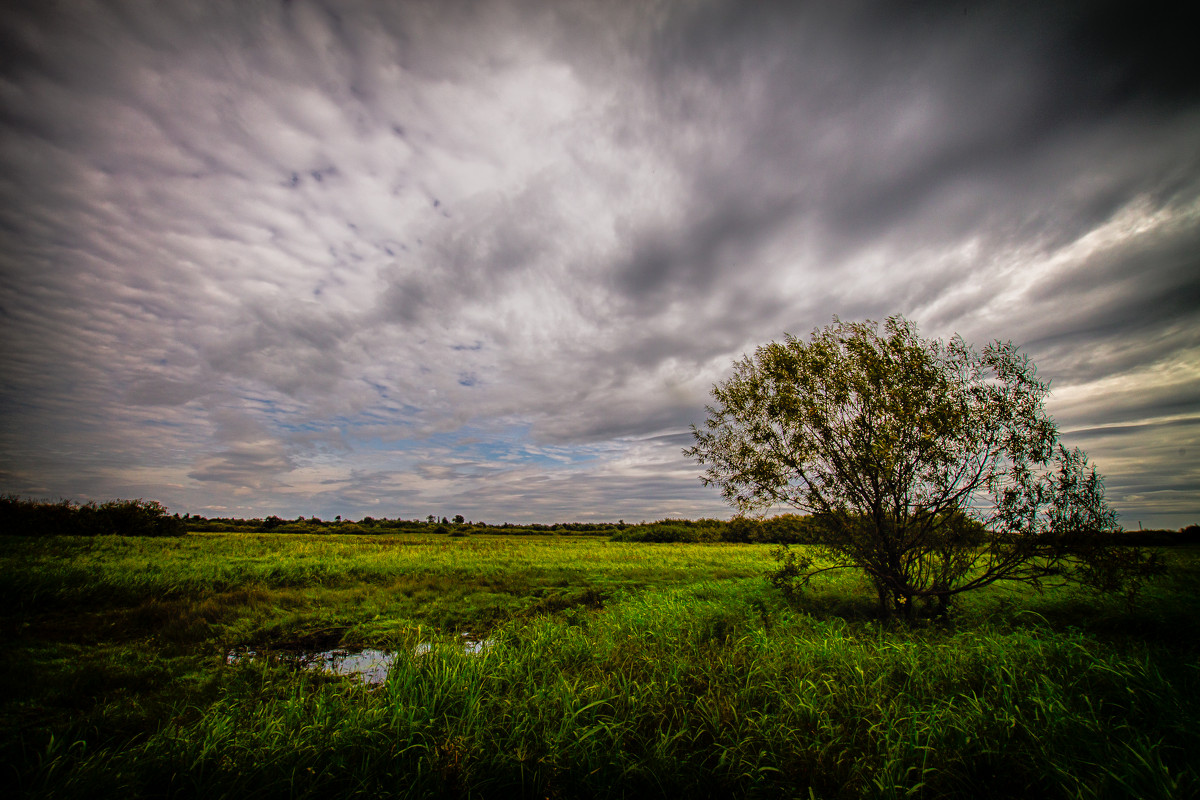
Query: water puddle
[
  {"x": 367, "y": 665},
  {"x": 470, "y": 645}
]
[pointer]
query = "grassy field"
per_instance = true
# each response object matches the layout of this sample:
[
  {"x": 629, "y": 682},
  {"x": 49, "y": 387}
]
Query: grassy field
[{"x": 613, "y": 669}]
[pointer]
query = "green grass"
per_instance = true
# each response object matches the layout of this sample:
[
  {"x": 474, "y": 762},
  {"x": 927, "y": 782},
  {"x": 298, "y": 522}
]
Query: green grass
[{"x": 617, "y": 670}]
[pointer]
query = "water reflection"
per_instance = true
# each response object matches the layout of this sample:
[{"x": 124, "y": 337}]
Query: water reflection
[
  {"x": 470, "y": 645},
  {"x": 473, "y": 646},
  {"x": 368, "y": 665}
]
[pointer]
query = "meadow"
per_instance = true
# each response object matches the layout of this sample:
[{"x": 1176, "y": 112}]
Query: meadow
[{"x": 611, "y": 669}]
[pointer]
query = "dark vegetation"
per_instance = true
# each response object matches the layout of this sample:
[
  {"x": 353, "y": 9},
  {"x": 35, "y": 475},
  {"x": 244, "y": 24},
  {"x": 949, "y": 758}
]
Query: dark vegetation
[
  {"x": 373, "y": 526},
  {"x": 23, "y": 517},
  {"x": 783, "y": 529}
]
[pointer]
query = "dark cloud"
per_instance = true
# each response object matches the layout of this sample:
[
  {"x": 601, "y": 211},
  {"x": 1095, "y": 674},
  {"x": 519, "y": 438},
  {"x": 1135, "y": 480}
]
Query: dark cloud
[
  {"x": 345, "y": 258},
  {"x": 1143, "y": 53}
]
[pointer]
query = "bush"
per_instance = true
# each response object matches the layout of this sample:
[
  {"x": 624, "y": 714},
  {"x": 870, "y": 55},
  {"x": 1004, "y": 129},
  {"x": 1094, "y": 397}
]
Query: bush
[
  {"x": 665, "y": 531},
  {"x": 783, "y": 529},
  {"x": 20, "y": 517}
]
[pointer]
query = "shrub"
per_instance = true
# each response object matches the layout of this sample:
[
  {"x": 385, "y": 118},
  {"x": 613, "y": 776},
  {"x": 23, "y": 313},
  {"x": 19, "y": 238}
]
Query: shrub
[{"x": 21, "y": 517}]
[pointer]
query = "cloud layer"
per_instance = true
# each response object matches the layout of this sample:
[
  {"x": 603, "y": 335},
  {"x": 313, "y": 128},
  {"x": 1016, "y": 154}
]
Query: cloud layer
[{"x": 400, "y": 259}]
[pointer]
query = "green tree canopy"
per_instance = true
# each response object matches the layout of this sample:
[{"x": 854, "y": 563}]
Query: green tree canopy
[{"x": 931, "y": 466}]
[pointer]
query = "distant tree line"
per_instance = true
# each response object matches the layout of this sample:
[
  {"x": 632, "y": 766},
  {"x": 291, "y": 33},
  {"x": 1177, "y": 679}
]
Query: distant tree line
[
  {"x": 805, "y": 529},
  {"x": 23, "y": 517},
  {"x": 783, "y": 529},
  {"x": 788, "y": 528},
  {"x": 384, "y": 525}
]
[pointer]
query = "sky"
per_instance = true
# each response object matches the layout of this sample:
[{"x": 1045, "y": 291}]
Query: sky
[{"x": 489, "y": 258}]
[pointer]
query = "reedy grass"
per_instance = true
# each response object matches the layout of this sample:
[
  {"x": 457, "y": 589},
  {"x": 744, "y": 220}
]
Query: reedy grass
[
  {"x": 687, "y": 681},
  {"x": 686, "y": 690}
]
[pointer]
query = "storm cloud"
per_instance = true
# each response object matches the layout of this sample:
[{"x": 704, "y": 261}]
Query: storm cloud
[{"x": 488, "y": 258}]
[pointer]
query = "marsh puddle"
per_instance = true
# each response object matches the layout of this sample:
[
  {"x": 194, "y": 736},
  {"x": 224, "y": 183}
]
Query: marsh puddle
[
  {"x": 367, "y": 665},
  {"x": 467, "y": 641}
]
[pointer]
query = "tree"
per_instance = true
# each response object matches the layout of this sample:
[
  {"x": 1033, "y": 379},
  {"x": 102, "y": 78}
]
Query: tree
[{"x": 931, "y": 467}]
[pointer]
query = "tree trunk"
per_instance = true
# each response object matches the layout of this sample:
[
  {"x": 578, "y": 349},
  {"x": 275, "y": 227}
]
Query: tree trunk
[{"x": 885, "y": 601}]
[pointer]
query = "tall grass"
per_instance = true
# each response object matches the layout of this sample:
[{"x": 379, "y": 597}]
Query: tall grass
[
  {"x": 690, "y": 682},
  {"x": 704, "y": 691}
]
